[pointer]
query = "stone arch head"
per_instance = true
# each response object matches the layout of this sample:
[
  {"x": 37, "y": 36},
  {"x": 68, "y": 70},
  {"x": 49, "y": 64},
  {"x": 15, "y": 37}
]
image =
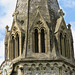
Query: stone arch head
[
  {"x": 16, "y": 68},
  {"x": 43, "y": 28},
  {"x": 64, "y": 67},
  {"x": 12, "y": 36},
  {"x": 35, "y": 28},
  {"x": 69, "y": 68},
  {"x": 16, "y": 33},
  {"x": 40, "y": 66},
  {"x": 33, "y": 65},
  {"x": 25, "y": 66},
  {"x": 48, "y": 65},
  {"x": 55, "y": 64}
]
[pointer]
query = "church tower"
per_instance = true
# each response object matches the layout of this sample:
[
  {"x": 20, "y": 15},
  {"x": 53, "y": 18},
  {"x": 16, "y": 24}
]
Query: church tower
[{"x": 39, "y": 42}]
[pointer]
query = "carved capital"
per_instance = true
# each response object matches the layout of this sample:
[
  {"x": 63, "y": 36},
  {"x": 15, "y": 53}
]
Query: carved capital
[{"x": 39, "y": 32}]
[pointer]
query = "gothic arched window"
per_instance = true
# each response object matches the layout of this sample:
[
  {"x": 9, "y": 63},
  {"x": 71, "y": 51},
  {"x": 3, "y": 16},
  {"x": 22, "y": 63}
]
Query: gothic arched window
[
  {"x": 39, "y": 41},
  {"x": 61, "y": 43},
  {"x": 65, "y": 44},
  {"x": 68, "y": 49},
  {"x": 13, "y": 45},
  {"x": 18, "y": 44},
  {"x": 23, "y": 40},
  {"x": 42, "y": 41},
  {"x": 36, "y": 41}
]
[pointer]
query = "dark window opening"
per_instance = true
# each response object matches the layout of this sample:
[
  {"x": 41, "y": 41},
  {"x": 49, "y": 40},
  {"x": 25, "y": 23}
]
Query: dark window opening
[
  {"x": 68, "y": 50},
  {"x": 18, "y": 45},
  {"x": 23, "y": 40},
  {"x": 36, "y": 41},
  {"x": 65, "y": 45},
  {"x": 13, "y": 40},
  {"x": 22, "y": 22},
  {"x": 61, "y": 43},
  {"x": 42, "y": 41}
]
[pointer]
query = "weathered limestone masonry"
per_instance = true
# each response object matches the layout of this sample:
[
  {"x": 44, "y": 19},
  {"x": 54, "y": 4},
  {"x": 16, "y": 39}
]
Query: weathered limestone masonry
[{"x": 39, "y": 42}]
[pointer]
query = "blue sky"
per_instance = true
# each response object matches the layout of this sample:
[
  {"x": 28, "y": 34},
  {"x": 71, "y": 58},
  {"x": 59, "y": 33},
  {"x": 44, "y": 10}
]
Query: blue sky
[{"x": 7, "y": 8}]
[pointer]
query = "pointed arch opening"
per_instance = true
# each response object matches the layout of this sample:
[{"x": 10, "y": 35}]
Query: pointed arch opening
[
  {"x": 18, "y": 45},
  {"x": 68, "y": 49},
  {"x": 23, "y": 40},
  {"x": 36, "y": 40},
  {"x": 42, "y": 41},
  {"x": 39, "y": 41},
  {"x": 65, "y": 45},
  {"x": 13, "y": 46},
  {"x": 61, "y": 43}
]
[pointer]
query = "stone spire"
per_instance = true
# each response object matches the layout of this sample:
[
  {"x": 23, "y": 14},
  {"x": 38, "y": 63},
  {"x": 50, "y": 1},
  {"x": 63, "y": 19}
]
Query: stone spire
[{"x": 29, "y": 10}]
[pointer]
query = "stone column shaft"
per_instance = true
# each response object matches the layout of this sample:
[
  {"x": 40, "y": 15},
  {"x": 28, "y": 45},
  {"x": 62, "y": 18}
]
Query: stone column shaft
[
  {"x": 39, "y": 41},
  {"x": 16, "y": 48},
  {"x": 45, "y": 42},
  {"x": 20, "y": 72}
]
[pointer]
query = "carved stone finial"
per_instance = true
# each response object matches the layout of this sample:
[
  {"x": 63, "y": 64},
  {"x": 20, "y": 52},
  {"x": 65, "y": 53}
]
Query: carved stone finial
[
  {"x": 15, "y": 15},
  {"x": 7, "y": 27},
  {"x": 61, "y": 12},
  {"x": 69, "y": 26}
]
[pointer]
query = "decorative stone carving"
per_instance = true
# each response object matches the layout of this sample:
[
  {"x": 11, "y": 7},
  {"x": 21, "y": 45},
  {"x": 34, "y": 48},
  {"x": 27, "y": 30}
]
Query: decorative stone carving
[
  {"x": 52, "y": 68},
  {"x": 69, "y": 26},
  {"x": 7, "y": 68},
  {"x": 14, "y": 28},
  {"x": 61, "y": 12},
  {"x": 7, "y": 27},
  {"x": 39, "y": 22}
]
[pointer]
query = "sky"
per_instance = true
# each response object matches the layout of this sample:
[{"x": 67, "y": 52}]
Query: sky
[{"x": 7, "y": 8}]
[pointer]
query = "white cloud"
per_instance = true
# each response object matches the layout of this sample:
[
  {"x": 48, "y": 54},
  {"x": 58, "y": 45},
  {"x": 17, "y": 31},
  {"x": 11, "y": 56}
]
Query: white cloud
[
  {"x": 2, "y": 51},
  {"x": 68, "y": 3},
  {"x": 73, "y": 23},
  {"x": 4, "y": 2},
  {"x": 9, "y": 7},
  {"x": 2, "y": 48}
]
